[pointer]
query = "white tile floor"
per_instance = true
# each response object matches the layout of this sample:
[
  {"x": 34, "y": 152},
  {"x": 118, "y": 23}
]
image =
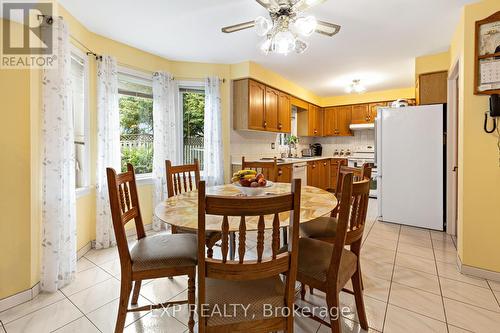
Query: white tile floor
[{"x": 410, "y": 277}]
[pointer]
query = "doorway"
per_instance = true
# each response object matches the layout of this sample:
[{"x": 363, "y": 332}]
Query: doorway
[{"x": 452, "y": 151}]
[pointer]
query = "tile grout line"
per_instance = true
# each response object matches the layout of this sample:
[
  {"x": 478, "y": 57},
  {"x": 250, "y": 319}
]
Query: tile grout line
[
  {"x": 440, "y": 288},
  {"x": 392, "y": 278},
  {"x": 84, "y": 315},
  {"x": 494, "y": 295}
]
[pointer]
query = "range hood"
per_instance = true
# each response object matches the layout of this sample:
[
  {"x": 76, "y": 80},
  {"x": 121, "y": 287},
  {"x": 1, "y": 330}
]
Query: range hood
[{"x": 362, "y": 127}]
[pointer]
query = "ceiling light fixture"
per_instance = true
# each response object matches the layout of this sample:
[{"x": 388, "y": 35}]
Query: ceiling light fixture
[
  {"x": 287, "y": 26},
  {"x": 356, "y": 87}
]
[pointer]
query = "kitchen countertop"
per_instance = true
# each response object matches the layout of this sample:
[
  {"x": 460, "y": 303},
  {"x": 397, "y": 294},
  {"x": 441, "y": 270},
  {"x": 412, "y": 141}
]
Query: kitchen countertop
[{"x": 294, "y": 160}]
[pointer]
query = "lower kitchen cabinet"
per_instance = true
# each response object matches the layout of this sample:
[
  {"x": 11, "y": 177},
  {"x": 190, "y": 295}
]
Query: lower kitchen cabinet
[
  {"x": 285, "y": 173},
  {"x": 318, "y": 174}
]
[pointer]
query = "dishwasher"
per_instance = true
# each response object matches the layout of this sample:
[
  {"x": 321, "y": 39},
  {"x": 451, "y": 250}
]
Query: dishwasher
[{"x": 300, "y": 172}]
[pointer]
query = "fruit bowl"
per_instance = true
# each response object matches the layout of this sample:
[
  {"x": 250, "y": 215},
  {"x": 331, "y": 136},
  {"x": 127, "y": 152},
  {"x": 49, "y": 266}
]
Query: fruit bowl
[{"x": 253, "y": 191}]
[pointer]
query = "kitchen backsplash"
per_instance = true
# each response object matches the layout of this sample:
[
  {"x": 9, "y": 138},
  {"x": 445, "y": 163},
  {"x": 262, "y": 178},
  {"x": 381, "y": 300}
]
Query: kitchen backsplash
[
  {"x": 255, "y": 145},
  {"x": 360, "y": 140}
]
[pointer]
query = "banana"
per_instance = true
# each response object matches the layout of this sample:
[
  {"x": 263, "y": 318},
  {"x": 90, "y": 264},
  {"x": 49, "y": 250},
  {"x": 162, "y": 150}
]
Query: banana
[
  {"x": 252, "y": 176},
  {"x": 246, "y": 172}
]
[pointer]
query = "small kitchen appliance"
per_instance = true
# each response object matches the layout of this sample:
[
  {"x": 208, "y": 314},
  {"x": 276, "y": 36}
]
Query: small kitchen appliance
[{"x": 316, "y": 149}]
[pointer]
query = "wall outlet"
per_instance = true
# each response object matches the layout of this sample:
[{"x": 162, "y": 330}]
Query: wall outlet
[{"x": 273, "y": 145}]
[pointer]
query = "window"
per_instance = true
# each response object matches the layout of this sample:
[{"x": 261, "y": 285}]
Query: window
[
  {"x": 192, "y": 101},
  {"x": 79, "y": 90},
  {"x": 136, "y": 121}
]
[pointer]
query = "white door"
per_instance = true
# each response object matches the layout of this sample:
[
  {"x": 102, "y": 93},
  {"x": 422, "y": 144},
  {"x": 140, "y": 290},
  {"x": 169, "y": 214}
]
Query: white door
[{"x": 411, "y": 166}]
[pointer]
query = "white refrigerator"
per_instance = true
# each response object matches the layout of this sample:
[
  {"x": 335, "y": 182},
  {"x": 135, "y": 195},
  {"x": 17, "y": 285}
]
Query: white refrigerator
[{"x": 410, "y": 162}]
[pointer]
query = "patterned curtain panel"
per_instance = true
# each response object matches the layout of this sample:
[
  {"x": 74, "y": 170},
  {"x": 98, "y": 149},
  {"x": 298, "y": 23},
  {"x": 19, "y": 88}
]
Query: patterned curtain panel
[
  {"x": 212, "y": 157},
  {"x": 58, "y": 204},
  {"x": 108, "y": 146},
  {"x": 166, "y": 141}
]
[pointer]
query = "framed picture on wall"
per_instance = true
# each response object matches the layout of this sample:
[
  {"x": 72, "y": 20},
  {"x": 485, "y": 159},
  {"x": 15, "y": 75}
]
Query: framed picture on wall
[{"x": 487, "y": 56}]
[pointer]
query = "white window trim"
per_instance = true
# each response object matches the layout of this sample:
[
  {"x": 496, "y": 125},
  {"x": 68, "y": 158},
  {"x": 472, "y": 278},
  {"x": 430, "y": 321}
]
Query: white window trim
[
  {"x": 144, "y": 178},
  {"x": 180, "y": 126},
  {"x": 75, "y": 51}
]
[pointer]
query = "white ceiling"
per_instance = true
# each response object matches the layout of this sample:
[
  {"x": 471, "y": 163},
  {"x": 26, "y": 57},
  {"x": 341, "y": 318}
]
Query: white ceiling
[{"x": 378, "y": 41}]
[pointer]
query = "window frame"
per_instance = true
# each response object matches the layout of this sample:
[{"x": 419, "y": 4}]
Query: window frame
[
  {"x": 80, "y": 55},
  {"x": 195, "y": 85},
  {"x": 143, "y": 178}
]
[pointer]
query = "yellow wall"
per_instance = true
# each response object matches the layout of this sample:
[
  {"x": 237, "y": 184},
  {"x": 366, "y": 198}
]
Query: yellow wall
[
  {"x": 432, "y": 63},
  {"x": 479, "y": 170},
  {"x": 15, "y": 228},
  {"x": 370, "y": 96}
]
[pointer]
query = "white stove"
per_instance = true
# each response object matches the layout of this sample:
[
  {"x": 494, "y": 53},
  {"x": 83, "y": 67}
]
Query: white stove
[{"x": 361, "y": 156}]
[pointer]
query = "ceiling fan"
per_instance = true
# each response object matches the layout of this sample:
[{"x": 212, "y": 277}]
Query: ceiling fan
[{"x": 287, "y": 25}]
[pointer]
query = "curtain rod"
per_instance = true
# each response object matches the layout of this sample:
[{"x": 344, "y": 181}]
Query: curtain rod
[
  {"x": 50, "y": 20},
  {"x": 188, "y": 78},
  {"x": 89, "y": 51}
]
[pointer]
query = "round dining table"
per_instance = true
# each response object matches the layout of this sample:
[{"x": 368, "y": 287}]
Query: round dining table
[{"x": 181, "y": 210}]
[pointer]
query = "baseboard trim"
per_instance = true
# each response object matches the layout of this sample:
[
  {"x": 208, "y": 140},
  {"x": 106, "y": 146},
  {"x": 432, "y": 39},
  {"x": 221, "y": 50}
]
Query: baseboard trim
[
  {"x": 19, "y": 298},
  {"x": 28, "y": 294},
  {"x": 477, "y": 272},
  {"x": 80, "y": 253}
]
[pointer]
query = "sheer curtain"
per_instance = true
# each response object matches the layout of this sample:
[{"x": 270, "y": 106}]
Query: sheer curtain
[
  {"x": 212, "y": 156},
  {"x": 108, "y": 146},
  {"x": 58, "y": 191},
  {"x": 166, "y": 142}
]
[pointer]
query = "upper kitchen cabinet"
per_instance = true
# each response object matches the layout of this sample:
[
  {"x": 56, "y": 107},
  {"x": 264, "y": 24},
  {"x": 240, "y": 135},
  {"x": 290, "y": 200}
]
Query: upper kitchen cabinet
[
  {"x": 284, "y": 113},
  {"x": 374, "y": 108},
  {"x": 271, "y": 109},
  {"x": 336, "y": 121},
  {"x": 259, "y": 107},
  {"x": 360, "y": 114},
  {"x": 432, "y": 88},
  {"x": 310, "y": 121}
]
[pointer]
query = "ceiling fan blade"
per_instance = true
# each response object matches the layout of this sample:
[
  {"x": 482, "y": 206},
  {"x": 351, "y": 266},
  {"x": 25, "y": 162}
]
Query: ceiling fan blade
[
  {"x": 327, "y": 29},
  {"x": 272, "y": 6},
  {"x": 238, "y": 27},
  {"x": 303, "y": 5}
]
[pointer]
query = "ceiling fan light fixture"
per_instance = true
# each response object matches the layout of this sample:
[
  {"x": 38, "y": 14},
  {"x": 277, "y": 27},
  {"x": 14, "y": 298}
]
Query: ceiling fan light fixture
[
  {"x": 263, "y": 25},
  {"x": 265, "y": 47},
  {"x": 305, "y": 26},
  {"x": 283, "y": 42},
  {"x": 300, "y": 46}
]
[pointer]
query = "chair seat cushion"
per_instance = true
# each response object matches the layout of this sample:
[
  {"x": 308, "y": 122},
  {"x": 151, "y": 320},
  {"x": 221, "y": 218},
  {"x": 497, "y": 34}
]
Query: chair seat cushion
[
  {"x": 324, "y": 226},
  {"x": 164, "y": 251},
  {"x": 315, "y": 257},
  {"x": 254, "y": 294}
]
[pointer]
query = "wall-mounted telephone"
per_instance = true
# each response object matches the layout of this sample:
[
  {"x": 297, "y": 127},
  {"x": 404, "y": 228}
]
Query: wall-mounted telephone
[{"x": 493, "y": 113}]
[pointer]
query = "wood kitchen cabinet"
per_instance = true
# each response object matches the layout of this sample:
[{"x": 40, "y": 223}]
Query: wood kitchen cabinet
[
  {"x": 260, "y": 107},
  {"x": 432, "y": 88},
  {"x": 336, "y": 121},
  {"x": 285, "y": 173},
  {"x": 360, "y": 114},
  {"x": 373, "y": 110},
  {"x": 310, "y": 121},
  {"x": 284, "y": 113},
  {"x": 318, "y": 174}
]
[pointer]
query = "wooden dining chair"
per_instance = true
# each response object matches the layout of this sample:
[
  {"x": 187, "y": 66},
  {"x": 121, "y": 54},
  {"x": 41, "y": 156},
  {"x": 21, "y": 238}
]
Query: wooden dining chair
[
  {"x": 329, "y": 266},
  {"x": 268, "y": 169},
  {"x": 251, "y": 282},
  {"x": 180, "y": 180},
  {"x": 365, "y": 172},
  {"x": 152, "y": 257}
]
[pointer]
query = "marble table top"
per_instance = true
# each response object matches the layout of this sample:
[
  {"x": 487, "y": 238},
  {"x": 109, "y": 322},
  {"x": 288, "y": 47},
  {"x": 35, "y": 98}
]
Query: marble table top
[{"x": 182, "y": 210}]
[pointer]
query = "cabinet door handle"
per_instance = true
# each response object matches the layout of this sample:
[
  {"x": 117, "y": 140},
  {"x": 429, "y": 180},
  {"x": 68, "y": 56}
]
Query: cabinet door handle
[
  {"x": 265, "y": 124},
  {"x": 280, "y": 126},
  {"x": 280, "y": 172}
]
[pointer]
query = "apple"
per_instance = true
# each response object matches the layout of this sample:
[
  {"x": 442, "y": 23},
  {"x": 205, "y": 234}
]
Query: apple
[
  {"x": 262, "y": 182},
  {"x": 254, "y": 184},
  {"x": 245, "y": 182},
  {"x": 259, "y": 176}
]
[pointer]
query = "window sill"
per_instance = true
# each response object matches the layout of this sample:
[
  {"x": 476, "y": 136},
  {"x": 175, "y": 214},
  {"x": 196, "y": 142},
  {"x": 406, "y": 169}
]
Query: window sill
[
  {"x": 144, "y": 179},
  {"x": 82, "y": 191}
]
